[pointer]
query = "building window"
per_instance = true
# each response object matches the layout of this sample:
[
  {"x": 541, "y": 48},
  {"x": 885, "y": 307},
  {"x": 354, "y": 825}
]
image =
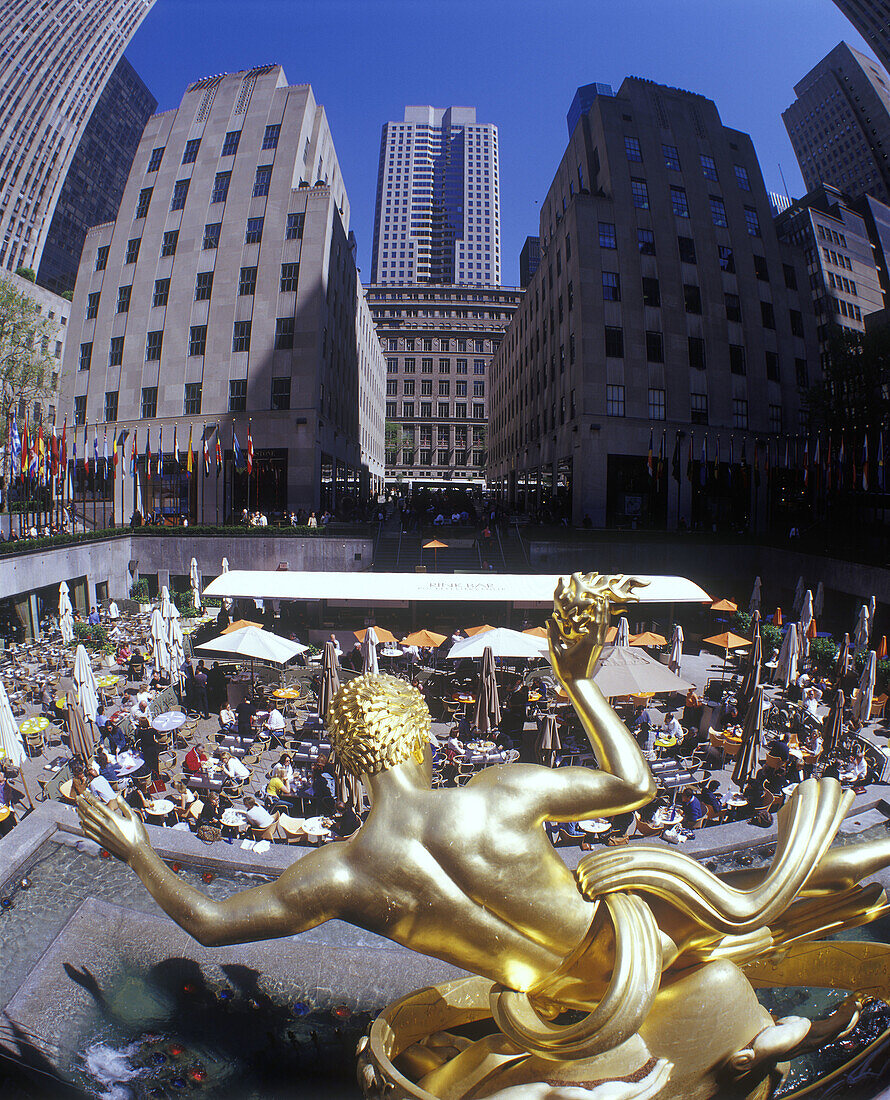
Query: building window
[
  {"x": 191, "y": 151},
  {"x": 679, "y": 202},
  {"x": 478, "y": 389},
  {"x": 698, "y": 408},
  {"x": 238, "y": 395},
  {"x": 92, "y": 305},
  {"x": 751, "y": 222},
  {"x": 180, "y": 193},
  {"x": 132, "y": 254},
  {"x": 632, "y": 148},
  {"x": 211, "y": 236},
  {"x": 262, "y": 181},
  {"x": 646, "y": 242},
  {"x": 775, "y": 418},
  {"x": 460, "y": 388},
  {"x": 607, "y": 235},
  {"x": 154, "y": 341},
  {"x": 718, "y": 210},
  {"x": 102, "y": 257},
  {"x": 408, "y": 387},
  {"x": 614, "y": 400},
  {"x": 294, "y": 228},
  {"x": 611, "y": 287},
  {"x": 230, "y": 144},
  {"x": 253, "y": 234},
  {"x": 426, "y": 410},
  {"x": 656, "y": 404},
  {"x": 761, "y": 270},
  {"x": 478, "y": 366},
  {"x": 443, "y": 410},
  {"x": 154, "y": 163},
  {"x": 741, "y": 177},
  {"x": 739, "y": 413},
  {"x": 692, "y": 298},
  {"x": 144, "y": 202},
  {"x": 197, "y": 339},
  {"x": 80, "y": 409},
  {"x": 444, "y": 366},
  {"x": 708, "y": 167},
  {"x": 241, "y": 336},
  {"x": 191, "y": 405},
  {"x": 161, "y": 292},
  {"x": 737, "y": 359},
  {"x": 86, "y": 356},
  {"x": 391, "y": 390},
  {"x": 614, "y": 342},
  {"x": 772, "y": 366},
  {"x": 727, "y": 260},
  {"x": 407, "y": 409},
  {"x": 111, "y": 405},
  {"x": 247, "y": 281},
  {"x": 640, "y": 193},
  {"x": 686, "y": 246},
  {"x": 801, "y": 373},
  {"x": 168, "y": 245},
  {"x": 149, "y": 402},
  {"x": 123, "y": 298},
  {"x": 767, "y": 315},
  {"x": 203, "y": 286},
  {"x": 220, "y": 187},
  {"x": 460, "y": 366},
  {"x": 796, "y": 322},
  {"x": 280, "y": 394},
  {"x": 478, "y": 411},
  {"x": 733, "y": 307},
  {"x": 671, "y": 157},
  {"x": 654, "y": 347},
  {"x": 289, "y": 276},
  {"x": 426, "y": 366},
  {"x": 270, "y": 137},
  {"x": 391, "y": 412},
  {"x": 284, "y": 334},
  {"x": 445, "y": 387},
  {"x": 426, "y": 388},
  {"x": 392, "y": 366},
  {"x": 116, "y": 351},
  {"x": 696, "y": 352},
  {"x": 790, "y": 276},
  {"x": 651, "y": 292}
]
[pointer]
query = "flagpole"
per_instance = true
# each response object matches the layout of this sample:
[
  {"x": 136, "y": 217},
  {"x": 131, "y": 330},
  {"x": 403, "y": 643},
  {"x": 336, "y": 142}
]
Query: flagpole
[{"x": 216, "y": 486}]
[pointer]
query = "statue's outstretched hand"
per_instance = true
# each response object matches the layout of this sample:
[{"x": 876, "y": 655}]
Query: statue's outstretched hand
[
  {"x": 582, "y": 608},
  {"x": 122, "y": 834}
]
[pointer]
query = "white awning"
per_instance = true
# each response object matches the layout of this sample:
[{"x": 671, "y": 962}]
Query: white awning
[{"x": 370, "y": 588}]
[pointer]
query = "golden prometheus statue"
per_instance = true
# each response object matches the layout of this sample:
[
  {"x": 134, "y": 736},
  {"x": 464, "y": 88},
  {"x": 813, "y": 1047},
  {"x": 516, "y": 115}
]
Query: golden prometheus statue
[{"x": 630, "y": 978}]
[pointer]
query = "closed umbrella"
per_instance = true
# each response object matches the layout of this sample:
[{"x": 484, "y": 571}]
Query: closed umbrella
[
  {"x": 11, "y": 746},
  {"x": 746, "y": 761},
  {"x": 751, "y": 682},
  {"x": 865, "y": 694},
  {"x": 777, "y": 617},
  {"x": 160, "y": 652},
  {"x": 369, "y": 652},
  {"x": 177, "y": 652},
  {"x": 330, "y": 680},
  {"x": 860, "y": 634},
  {"x": 872, "y": 606},
  {"x": 677, "y": 640},
  {"x": 488, "y": 707},
  {"x": 83, "y": 743},
  {"x": 754, "y": 602},
  {"x": 66, "y": 614},
  {"x": 622, "y": 637},
  {"x": 786, "y": 664},
  {"x": 842, "y": 667},
  {"x": 882, "y": 647},
  {"x": 833, "y": 728},
  {"x": 797, "y": 602},
  {"x": 819, "y": 600},
  {"x": 225, "y": 565},
  {"x": 548, "y": 743},
  {"x": 806, "y": 611},
  {"x": 85, "y": 685},
  {"x": 348, "y": 788},
  {"x": 195, "y": 583}
]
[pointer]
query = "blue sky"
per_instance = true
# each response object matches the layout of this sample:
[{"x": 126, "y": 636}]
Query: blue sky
[{"x": 517, "y": 62}]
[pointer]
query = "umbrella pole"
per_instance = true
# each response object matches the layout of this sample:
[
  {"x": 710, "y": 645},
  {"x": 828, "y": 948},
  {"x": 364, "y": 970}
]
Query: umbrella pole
[{"x": 25, "y": 785}]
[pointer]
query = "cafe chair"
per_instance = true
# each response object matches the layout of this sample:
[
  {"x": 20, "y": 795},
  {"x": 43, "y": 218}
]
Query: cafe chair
[{"x": 646, "y": 828}]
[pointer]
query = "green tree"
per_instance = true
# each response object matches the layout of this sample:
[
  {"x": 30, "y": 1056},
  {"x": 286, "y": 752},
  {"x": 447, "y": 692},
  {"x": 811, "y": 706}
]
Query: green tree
[
  {"x": 27, "y": 370},
  {"x": 394, "y": 440},
  {"x": 854, "y": 394}
]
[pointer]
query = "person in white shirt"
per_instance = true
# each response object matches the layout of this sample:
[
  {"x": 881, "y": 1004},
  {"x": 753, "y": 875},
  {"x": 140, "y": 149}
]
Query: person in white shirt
[
  {"x": 113, "y": 611},
  {"x": 275, "y": 721},
  {"x": 233, "y": 767},
  {"x": 260, "y": 818},
  {"x": 100, "y": 788},
  {"x": 672, "y": 727},
  {"x": 227, "y": 718}
]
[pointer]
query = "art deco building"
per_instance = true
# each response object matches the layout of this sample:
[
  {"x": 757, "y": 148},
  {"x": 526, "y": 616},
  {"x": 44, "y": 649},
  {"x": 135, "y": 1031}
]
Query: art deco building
[
  {"x": 225, "y": 298},
  {"x": 54, "y": 63},
  {"x": 438, "y": 207},
  {"x": 438, "y": 343},
  {"x": 839, "y": 125},
  {"x": 665, "y": 308},
  {"x": 872, "y": 19}
]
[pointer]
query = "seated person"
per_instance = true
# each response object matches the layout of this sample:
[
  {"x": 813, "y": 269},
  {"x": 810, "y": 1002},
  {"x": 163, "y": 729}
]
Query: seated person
[
  {"x": 140, "y": 710},
  {"x": 80, "y": 781},
  {"x": 260, "y": 818},
  {"x": 48, "y": 701},
  {"x": 226, "y": 719},
  {"x": 100, "y": 788},
  {"x": 279, "y": 786},
  {"x": 101, "y": 718},
  {"x": 692, "y": 808},
  {"x": 856, "y": 770},
  {"x": 320, "y": 788},
  {"x": 136, "y": 666},
  {"x": 195, "y": 759},
  {"x": 211, "y": 811},
  {"x": 245, "y": 712},
  {"x": 345, "y": 821},
  {"x": 234, "y": 769},
  {"x": 287, "y": 763},
  {"x": 778, "y": 747},
  {"x": 693, "y": 709},
  {"x": 107, "y": 766},
  {"x": 138, "y": 797},
  {"x": 182, "y": 797},
  {"x": 275, "y": 721},
  {"x": 711, "y": 799}
]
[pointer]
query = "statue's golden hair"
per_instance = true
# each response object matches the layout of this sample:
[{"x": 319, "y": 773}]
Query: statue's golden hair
[{"x": 377, "y": 722}]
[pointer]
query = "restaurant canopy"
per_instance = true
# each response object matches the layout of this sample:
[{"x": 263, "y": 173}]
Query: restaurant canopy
[
  {"x": 369, "y": 588},
  {"x": 502, "y": 643}
]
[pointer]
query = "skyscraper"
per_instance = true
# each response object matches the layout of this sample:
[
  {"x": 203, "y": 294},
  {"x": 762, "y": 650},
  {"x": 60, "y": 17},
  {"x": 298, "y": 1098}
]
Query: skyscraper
[
  {"x": 438, "y": 205},
  {"x": 872, "y": 19},
  {"x": 56, "y": 60},
  {"x": 839, "y": 125}
]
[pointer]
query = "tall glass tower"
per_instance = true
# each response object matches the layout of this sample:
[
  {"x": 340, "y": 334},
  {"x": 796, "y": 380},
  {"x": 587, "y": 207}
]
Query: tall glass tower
[
  {"x": 55, "y": 62},
  {"x": 872, "y": 19},
  {"x": 438, "y": 205}
]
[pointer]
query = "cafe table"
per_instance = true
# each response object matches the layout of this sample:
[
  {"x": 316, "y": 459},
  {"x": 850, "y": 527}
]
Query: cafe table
[
  {"x": 666, "y": 816},
  {"x": 286, "y": 693},
  {"x": 159, "y": 808},
  {"x": 169, "y": 721},
  {"x": 597, "y": 826},
  {"x": 128, "y": 762}
]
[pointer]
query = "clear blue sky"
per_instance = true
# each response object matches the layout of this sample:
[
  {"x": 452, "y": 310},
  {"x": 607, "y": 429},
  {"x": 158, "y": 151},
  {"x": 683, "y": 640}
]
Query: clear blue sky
[{"x": 517, "y": 62}]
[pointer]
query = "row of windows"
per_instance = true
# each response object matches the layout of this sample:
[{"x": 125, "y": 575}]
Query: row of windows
[
  {"x": 426, "y": 388},
  {"x": 615, "y": 406},
  {"x": 426, "y": 410},
  {"x": 680, "y": 205},
  {"x": 409, "y": 366},
  {"x": 444, "y": 457},
  {"x": 229, "y": 147},
  {"x": 192, "y": 400},
  {"x": 671, "y": 156},
  {"x": 219, "y": 193},
  {"x": 426, "y": 344}
]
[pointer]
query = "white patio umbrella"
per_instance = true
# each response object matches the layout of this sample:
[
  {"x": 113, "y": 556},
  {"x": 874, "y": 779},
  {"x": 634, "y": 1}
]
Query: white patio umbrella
[
  {"x": 228, "y": 603},
  {"x": 872, "y": 607},
  {"x": 256, "y": 643},
  {"x": 622, "y": 637},
  {"x": 819, "y": 600},
  {"x": 85, "y": 688},
  {"x": 863, "y": 626},
  {"x": 225, "y": 565},
  {"x": 160, "y": 651},
  {"x": 330, "y": 679},
  {"x": 842, "y": 665},
  {"x": 369, "y": 652},
  {"x": 862, "y": 700},
  {"x": 629, "y": 670},
  {"x": 11, "y": 746},
  {"x": 195, "y": 582},
  {"x": 66, "y": 614},
  {"x": 786, "y": 663},
  {"x": 502, "y": 642},
  {"x": 488, "y": 706},
  {"x": 798, "y": 596},
  {"x": 548, "y": 742},
  {"x": 677, "y": 640},
  {"x": 806, "y": 612},
  {"x": 754, "y": 602},
  {"x": 177, "y": 652}
]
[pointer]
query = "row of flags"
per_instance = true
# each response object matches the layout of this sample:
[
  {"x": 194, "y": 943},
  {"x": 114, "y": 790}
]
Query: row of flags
[{"x": 41, "y": 455}]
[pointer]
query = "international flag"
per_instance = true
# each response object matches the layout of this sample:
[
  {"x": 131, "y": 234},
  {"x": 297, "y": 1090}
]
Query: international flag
[
  {"x": 865, "y": 463},
  {"x": 95, "y": 450},
  {"x": 236, "y": 450},
  {"x": 160, "y": 452},
  {"x": 206, "y": 454},
  {"x": 660, "y": 474},
  {"x": 74, "y": 446},
  {"x": 690, "y": 464},
  {"x": 817, "y": 463},
  {"x": 63, "y": 458},
  {"x": 717, "y": 460},
  {"x": 650, "y": 463},
  {"x": 806, "y": 461},
  {"x": 188, "y": 459},
  {"x": 218, "y": 453},
  {"x": 148, "y": 454},
  {"x": 675, "y": 460},
  {"x": 134, "y": 450},
  {"x": 86, "y": 452},
  {"x": 828, "y": 464},
  {"x": 703, "y": 472},
  {"x": 41, "y": 456},
  {"x": 880, "y": 473},
  {"x": 250, "y": 450},
  {"x": 731, "y": 460},
  {"x": 32, "y": 457},
  {"x": 105, "y": 453},
  {"x": 55, "y": 453},
  {"x": 757, "y": 463},
  {"x": 122, "y": 444},
  {"x": 175, "y": 450},
  {"x": 15, "y": 451}
]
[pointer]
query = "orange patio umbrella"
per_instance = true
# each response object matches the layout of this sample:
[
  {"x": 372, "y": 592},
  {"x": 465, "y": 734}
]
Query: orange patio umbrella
[
  {"x": 239, "y": 624},
  {"x": 648, "y": 637},
  {"x": 536, "y": 631},
  {"x": 777, "y": 617},
  {"x": 435, "y": 546},
  {"x": 724, "y": 605},
  {"x": 611, "y": 635},
  {"x": 727, "y": 641},
  {"x": 811, "y": 629},
  {"x": 471, "y": 631},
  {"x": 426, "y": 639},
  {"x": 383, "y": 635},
  {"x": 882, "y": 647}
]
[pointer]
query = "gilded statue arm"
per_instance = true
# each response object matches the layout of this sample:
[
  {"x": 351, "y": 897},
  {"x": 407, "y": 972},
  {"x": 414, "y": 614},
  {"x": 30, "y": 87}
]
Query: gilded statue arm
[
  {"x": 305, "y": 895},
  {"x": 577, "y": 633}
]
